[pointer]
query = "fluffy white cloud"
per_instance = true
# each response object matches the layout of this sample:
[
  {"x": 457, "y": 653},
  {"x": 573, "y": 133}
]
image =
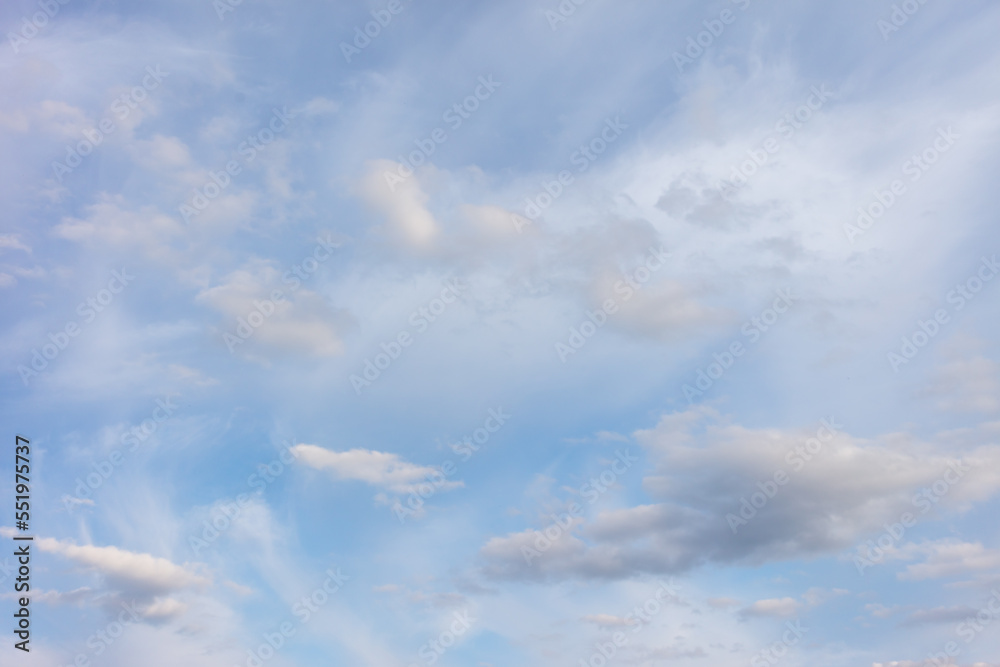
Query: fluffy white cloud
[
  {"x": 137, "y": 571},
  {"x": 382, "y": 470}
]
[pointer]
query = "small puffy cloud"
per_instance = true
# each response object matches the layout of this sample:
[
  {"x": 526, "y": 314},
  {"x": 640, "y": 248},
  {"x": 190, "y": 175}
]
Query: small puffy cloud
[
  {"x": 164, "y": 609},
  {"x": 136, "y": 571},
  {"x": 776, "y": 607},
  {"x": 382, "y": 470},
  {"x": 320, "y": 106},
  {"x": 607, "y": 621},
  {"x": 110, "y": 221}
]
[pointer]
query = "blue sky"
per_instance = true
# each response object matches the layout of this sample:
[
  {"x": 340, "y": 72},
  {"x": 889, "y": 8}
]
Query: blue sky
[{"x": 500, "y": 325}]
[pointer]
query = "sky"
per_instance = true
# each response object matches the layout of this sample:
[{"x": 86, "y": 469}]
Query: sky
[{"x": 407, "y": 333}]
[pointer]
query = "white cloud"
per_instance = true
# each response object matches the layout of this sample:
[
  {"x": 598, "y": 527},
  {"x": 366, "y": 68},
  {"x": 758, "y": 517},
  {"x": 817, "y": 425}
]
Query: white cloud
[
  {"x": 379, "y": 469},
  {"x": 949, "y": 558},
  {"x": 13, "y": 242},
  {"x": 778, "y": 607},
  {"x": 607, "y": 621},
  {"x": 139, "y": 571}
]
